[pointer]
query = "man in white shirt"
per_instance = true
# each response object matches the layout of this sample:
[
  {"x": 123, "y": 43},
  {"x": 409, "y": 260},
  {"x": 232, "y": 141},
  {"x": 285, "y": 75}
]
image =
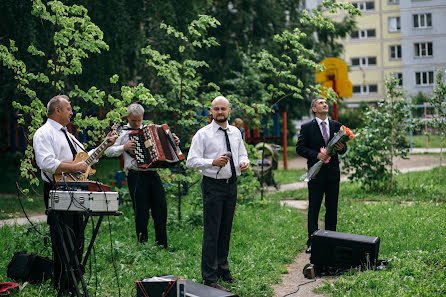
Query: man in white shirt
[
  {"x": 145, "y": 186},
  {"x": 54, "y": 149},
  {"x": 218, "y": 152}
]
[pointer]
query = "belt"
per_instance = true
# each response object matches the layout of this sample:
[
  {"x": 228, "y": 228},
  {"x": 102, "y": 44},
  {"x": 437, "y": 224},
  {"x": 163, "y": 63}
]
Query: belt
[{"x": 222, "y": 180}]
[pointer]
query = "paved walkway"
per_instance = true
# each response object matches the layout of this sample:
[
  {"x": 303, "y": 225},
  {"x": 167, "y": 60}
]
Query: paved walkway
[{"x": 23, "y": 221}]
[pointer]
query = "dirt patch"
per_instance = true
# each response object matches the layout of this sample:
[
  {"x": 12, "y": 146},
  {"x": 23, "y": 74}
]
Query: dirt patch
[{"x": 295, "y": 281}]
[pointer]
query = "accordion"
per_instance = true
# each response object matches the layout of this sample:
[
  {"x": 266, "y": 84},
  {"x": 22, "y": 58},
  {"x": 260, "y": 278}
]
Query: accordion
[{"x": 155, "y": 147}]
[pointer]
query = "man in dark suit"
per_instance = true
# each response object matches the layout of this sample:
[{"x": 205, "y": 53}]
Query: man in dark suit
[{"x": 314, "y": 135}]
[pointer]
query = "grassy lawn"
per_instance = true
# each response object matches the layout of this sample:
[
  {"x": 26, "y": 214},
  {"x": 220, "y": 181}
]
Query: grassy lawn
[
  {"x": 265, "y": 237},
  {"x": 410, "y": 222},
  {"x": 291, "y": 152},
  {"x": 288, "y": 176},
  {"x": 420, "y": 141}
]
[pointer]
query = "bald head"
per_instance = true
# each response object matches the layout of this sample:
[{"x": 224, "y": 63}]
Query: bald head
[
  {"x": 220, "y": 99},
  {"x": 220, "y": 110}
]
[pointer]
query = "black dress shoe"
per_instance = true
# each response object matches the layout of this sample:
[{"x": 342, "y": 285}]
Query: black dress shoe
[
  {"x": 230, "y": 279},
  {"x": 308, "y": 250},
  {"x": 217, "y": 286}
]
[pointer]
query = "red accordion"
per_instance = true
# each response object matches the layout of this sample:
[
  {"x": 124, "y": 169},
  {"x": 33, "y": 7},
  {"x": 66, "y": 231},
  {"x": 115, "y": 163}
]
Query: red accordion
[{"x": 155, "y": 147}]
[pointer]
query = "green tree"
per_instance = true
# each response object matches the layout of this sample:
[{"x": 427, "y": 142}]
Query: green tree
[
  {"x": 370, "y": 156},
  {"x": 438, "y": 101},
  {"x": 74, "y": 37}
]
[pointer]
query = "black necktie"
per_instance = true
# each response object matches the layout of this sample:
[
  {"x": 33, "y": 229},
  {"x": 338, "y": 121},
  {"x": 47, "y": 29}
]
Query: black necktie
[
  {"x": 73, "y": 151},
  {"x": 231, "y": 161}
]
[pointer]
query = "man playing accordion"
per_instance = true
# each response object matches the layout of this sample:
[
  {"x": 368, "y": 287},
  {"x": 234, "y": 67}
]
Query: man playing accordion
[{"x": 145, "y": 186}]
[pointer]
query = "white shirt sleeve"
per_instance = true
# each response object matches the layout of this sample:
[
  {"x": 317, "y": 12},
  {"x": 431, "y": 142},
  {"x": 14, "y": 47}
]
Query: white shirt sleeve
[
  {"x": 195, "y": 158},
  {"x": 44, "y": 153},
  {"x": 117, "y": 148}
]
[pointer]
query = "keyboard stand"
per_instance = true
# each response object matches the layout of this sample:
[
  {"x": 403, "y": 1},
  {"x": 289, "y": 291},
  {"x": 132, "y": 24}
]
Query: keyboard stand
[{"x": 69, "y": 258}]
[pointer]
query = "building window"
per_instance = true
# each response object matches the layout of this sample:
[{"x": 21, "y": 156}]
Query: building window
[
  {"x": 363, "y": 61},
  {"x": 392, "y": 2},
  {"x": 399, "y": 77},
  {"x": 363, "y": 34},
  {"x": 423, "y": 49},
  {"x": 424, "y": 78},
  {"x": 365, "y": 89},
  {"x": 394, "y": 24},
  {"x": 423, "y": 20},
  {"x": 364, "y": 5},
  {"x": 395, "y": 52}
]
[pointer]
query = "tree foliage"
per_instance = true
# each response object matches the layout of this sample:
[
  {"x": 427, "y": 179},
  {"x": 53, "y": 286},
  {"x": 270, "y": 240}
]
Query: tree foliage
[
  {"x": 74, "y": 37},
  {"x": 438, "y": 100},
  {"x": 371, "y": 155}
]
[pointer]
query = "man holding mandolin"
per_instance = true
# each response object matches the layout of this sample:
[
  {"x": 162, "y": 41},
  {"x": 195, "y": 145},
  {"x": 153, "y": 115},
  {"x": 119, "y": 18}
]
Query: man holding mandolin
[{"x": 55, "y": 149}]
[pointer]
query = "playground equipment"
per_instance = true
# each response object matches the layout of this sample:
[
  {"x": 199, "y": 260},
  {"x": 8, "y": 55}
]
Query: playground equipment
[{"x": 270, "y": 162}]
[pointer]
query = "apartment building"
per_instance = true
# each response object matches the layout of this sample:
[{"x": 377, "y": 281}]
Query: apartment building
[
  {"x": 405, "y": 38},
  {"x": 423, "y": 40}
]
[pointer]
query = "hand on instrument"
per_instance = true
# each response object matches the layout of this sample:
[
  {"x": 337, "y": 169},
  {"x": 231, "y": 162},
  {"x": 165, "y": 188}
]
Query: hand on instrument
[
  {"x": 177, "y": 140},
  {"x": 80, "y": 167},
  {"x": 221, "y": 161},
  {"x": 130, "y": 145},
  {"x": 244, "y": 166},
  {"x": 111, "y": 138}
]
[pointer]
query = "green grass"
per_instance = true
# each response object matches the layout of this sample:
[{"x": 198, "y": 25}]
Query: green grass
[
  {"x": 419, "y": 141},
  {"x": 291, "y": 152},
  {"x": 288, "y": 176},
  {"x": 10, "y": 206},
  {"x": 265, "y": 237},
  {"x": 410, "y": 222},
  {"x": 412, "y": 237},
  {"x": 413, "y": 186}
]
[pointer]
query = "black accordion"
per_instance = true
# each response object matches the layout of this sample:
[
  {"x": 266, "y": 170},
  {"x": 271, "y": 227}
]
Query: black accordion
[{"x": 155, "y": 147}]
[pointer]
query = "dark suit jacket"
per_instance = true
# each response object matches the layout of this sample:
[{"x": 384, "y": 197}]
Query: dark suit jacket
[{"x": 310, "y": 141}]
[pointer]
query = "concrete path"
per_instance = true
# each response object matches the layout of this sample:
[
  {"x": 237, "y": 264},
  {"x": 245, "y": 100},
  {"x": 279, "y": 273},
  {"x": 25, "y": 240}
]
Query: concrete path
[{"x": 23, "y": 221}]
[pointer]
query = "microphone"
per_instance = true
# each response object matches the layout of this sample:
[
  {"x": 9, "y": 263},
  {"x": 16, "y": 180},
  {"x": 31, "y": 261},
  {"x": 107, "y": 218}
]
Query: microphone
[{"x": 227, "y": 154}]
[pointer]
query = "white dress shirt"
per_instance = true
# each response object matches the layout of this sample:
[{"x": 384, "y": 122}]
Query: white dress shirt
[
  {"x": 209, "y": 143},
  {"x": 117, "y": 149},
  {"x": 51, "y": 147},
  {"x": 319, "y": 121}
]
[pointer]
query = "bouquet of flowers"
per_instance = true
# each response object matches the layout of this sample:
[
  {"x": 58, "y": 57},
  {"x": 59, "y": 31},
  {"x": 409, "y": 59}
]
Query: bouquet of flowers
[{"x": 343, "y": 135}]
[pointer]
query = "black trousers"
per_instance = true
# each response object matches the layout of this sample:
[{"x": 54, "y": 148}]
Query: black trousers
[
  {"x": 147, "y": 193},
  {"x": 73, "y": 222},
  {"x": 326, "y": 183},
  {"x": 219, "y": 199}
]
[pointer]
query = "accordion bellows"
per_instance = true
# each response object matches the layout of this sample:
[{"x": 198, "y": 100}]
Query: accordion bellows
[{"x": 155, "y": 147}]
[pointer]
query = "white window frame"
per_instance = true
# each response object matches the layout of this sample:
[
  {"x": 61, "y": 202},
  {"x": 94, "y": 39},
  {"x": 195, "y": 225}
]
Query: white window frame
[
  {"x": 422, "y": 48},
  {"x": 364, "y": 34},
  {"x": 393, "y": 2},
  {"x": 425, "y": 78},
  {"x": 362, "y": 6},
  {"x": 364, "y": 61},
  {"x": 397, "y": 50},
  {"x": 394, "y": 24},
  {"x": 365, "y": 89},
  {"x": 422, "y": 18}
]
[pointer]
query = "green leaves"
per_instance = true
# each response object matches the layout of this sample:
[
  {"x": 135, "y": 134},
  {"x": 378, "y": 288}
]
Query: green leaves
[{"x": 370, "y": 156}]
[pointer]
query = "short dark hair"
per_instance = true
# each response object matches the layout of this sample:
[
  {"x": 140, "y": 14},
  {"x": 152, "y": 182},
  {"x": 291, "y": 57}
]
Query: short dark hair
[{"x": 55, "y": 102}]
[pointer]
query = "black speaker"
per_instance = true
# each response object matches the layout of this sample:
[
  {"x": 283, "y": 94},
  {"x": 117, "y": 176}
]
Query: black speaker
[
  {"x": 156, "y": 286},
  {"x": 343, "y": 250}
]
